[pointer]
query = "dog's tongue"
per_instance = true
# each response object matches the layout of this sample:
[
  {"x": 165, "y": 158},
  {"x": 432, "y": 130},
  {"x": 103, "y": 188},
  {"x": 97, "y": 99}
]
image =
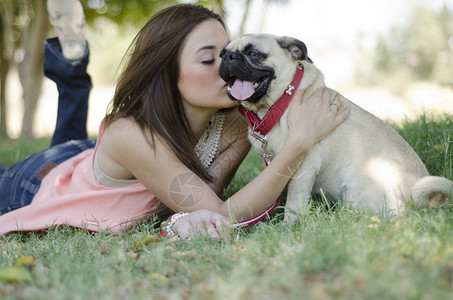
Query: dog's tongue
[{"x": 242, "y": 90}]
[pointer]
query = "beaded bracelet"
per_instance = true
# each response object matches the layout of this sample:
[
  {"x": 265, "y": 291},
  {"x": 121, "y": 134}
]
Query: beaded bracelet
[{"x": 167, "y": 226}]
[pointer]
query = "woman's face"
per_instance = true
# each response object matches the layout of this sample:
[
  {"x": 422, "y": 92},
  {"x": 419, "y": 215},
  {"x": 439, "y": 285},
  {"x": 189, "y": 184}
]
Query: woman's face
[{"x": 199, "y": 82}]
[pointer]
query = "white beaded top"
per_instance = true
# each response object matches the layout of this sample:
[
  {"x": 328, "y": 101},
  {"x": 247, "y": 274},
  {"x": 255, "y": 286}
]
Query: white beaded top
[{"x": 209, "y": 144}]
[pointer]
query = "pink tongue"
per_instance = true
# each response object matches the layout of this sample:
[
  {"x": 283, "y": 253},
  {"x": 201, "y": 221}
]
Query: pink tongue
[{"x": 242, "y": 90}]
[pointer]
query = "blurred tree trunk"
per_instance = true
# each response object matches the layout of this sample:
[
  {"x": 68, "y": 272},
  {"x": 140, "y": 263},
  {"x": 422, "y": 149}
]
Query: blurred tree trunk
[
  {"x": 244, "y": 17},
  {"x": 4, "y": 67},
  {"x": 31, "y": 68},
  {"x": 6, "y": 51},
  {"x": 220, "y": 8},
  {"x": 263, "y": 12}
]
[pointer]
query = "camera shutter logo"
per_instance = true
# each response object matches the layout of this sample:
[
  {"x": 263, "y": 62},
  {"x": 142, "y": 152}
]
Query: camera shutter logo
[{"x": 186, "y": 189}]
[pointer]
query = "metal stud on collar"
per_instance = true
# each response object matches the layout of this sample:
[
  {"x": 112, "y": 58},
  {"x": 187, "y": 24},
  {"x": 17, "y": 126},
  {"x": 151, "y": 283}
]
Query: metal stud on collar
[{"x": 289, "y": 90}]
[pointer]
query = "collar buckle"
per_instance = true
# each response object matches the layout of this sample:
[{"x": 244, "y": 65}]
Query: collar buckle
[
  {"x": 258, "y": 136},
  {"x": 266, "y": 155},
  {"x": 300, "y": 65}
]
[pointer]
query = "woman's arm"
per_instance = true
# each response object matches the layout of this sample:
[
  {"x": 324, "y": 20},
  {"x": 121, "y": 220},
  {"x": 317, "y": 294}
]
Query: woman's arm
[
  {"x": 178, "y": 188},
  {"x": 233, "y": 149}
]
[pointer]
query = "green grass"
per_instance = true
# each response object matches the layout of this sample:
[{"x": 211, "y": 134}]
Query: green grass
[
  {"x": 12, "y": 151},
  {"x": 339, "y": 254}
]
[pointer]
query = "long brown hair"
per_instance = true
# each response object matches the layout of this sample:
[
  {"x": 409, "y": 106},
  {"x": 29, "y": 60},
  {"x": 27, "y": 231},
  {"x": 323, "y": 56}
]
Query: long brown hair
[{"x": 147, "y": 89}]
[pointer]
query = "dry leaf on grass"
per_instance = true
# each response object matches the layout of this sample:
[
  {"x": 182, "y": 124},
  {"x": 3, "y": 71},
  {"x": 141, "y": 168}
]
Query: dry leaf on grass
[
  {"x": 15, "y": 274},
  {"x": 144, "y": 241},
  {"x": 26, "y": 261},
  {"x": 189, "y": 254},
  {"x": 158, "y": 276}
]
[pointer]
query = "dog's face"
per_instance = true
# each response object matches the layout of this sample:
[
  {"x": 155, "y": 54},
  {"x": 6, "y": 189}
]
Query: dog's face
[{"x": 259, "y": 67}]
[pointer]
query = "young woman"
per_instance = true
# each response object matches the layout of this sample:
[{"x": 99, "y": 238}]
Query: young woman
[{"x": 171, "y": 142}]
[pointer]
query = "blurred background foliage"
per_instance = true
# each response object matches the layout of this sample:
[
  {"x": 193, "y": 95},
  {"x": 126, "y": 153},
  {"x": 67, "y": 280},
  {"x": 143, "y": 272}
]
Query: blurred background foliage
[
  {"x": 125, "y": 13},
  {"x": 421, "y": 49}
]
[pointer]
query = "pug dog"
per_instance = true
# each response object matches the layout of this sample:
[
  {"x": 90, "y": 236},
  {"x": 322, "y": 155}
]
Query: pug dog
[{"x": 363, "y": 162}]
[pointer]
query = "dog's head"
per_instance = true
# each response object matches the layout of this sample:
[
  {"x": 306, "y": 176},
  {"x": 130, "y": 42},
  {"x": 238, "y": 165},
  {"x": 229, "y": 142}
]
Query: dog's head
[{"x": 258, "y": 67}]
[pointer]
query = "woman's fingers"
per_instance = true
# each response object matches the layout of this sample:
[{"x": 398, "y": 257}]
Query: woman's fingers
[
  {"x": 314, "y": 118},
  {"x": 202, "y": 222}
]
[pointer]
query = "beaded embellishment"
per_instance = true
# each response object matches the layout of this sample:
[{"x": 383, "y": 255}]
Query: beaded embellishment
[{"x": 209, "y": 144}]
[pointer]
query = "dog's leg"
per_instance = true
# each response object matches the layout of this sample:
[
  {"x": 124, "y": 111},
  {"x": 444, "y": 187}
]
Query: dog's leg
[
  {"x": 300, "y": 186},
  {"x": 385, "y": 201}
]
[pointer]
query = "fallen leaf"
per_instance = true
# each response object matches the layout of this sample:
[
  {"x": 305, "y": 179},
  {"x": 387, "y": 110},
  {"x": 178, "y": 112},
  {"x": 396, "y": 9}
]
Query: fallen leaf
[
  {"x": 26, "y": 261},
  {"x": 102, "y": 247},
  {"x": 204, "y": 288},
  {"x": 158, "y": 276},
  {"x": 373, "y": 226},
  {"x": 239, "y": 248},
  {"x": 15, "y": 274},
  {"x": 190, "y": 254},
  {"x": 132, "y": 255},
  {"x": 375, "y": 219},
  {"x": 397, "y": 224},
  {"x": 145, "y": 241},
  {"x": 173, "y": 239}
]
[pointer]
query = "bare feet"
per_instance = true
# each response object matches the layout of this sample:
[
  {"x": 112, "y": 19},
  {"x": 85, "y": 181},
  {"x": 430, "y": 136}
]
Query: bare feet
[{"x": 68, "y": 20}]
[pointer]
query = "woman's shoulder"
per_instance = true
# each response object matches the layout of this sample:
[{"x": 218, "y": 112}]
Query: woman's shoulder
[
  {"x": 129, "y": 137},
  {"x": 124, "y": 131},
  {"x": 125, "y": 147},
  {"x": 122, "y": 126}
]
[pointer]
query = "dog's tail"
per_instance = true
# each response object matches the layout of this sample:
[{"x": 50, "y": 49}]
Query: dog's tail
[{"x": 432, "y": 191}]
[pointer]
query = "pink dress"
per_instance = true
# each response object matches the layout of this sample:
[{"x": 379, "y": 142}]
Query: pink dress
[{"x": 70, "y": 195}]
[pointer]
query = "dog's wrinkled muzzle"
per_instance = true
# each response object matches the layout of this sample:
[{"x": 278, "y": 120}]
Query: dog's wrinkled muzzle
[{"x": 246, "y": 81}]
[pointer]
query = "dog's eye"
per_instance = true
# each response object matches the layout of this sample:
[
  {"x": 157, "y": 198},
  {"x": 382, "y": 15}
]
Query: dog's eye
[{"x": 255, "y": 54}]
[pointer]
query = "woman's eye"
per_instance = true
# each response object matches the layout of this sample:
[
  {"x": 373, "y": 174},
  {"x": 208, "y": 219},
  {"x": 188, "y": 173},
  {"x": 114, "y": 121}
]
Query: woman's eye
[{"x": 208, "y": 62}]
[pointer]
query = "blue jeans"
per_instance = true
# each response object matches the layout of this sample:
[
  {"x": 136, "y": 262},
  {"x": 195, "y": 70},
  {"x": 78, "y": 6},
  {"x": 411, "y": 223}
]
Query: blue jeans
[
  {"x": 74, "y": 85},
  {"x": 20, "y": 182}
]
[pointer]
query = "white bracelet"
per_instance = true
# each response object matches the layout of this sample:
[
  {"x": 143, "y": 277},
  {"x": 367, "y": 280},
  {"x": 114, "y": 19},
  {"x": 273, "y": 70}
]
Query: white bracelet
[{"x": 167, "y": 226}]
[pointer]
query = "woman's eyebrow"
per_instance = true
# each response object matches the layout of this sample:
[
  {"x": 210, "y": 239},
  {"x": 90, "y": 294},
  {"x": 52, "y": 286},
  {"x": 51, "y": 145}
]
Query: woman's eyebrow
[{"x": 209, "y": 47}]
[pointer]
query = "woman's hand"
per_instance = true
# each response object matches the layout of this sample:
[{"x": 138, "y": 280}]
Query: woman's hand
[
  {"x": 311, "y": 120},
  {"x": 202, "y": 222}
]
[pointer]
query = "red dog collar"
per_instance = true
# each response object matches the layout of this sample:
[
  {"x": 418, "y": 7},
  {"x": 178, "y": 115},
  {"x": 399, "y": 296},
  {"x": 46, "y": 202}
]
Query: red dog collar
[{"x": 276, "y": 111}]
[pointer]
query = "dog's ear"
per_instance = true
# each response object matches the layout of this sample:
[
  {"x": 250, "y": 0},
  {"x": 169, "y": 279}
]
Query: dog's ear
[{"x": 296, "y": 47}]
